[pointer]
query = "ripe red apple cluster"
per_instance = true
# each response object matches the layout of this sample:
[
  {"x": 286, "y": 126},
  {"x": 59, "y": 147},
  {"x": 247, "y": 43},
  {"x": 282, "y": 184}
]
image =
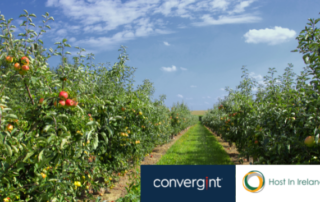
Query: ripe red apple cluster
[
  {"x": 22, "y": 67},
  {"x": 64, "y": 101}
]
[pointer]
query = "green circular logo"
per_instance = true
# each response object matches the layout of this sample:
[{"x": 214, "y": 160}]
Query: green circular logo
[{"x": 253, "y": 173}]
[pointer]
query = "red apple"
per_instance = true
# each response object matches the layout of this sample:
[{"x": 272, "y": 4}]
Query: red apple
[
  {"x": 55, "y": 103},
  {"x": 63, "y": 95},
  {"x": 309, "y": 141},
  {"x": 41, "y": 100},
  {"x": 9, "y": 59},
  {"x": 62, "y": 103},
  {"x": 75, "y": 104},
  {"x": 25, "y": 68},
  {"x": 69, "y": 102},
  {"x": 25, "y": 60},
  {"x": 17, "y": 66},
  {"x": 9, "y": 127}
]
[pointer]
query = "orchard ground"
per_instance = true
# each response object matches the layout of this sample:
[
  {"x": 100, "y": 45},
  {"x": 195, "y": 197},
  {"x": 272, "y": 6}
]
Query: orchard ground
[{"x": 183, "y": 150}]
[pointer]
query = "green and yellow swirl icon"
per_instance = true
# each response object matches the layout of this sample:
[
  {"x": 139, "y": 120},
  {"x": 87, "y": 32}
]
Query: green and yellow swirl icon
[{"x": 253, "y": 173}]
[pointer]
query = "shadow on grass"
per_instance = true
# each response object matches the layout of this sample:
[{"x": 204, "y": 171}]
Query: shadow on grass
[{"x": 196, "y": 147}]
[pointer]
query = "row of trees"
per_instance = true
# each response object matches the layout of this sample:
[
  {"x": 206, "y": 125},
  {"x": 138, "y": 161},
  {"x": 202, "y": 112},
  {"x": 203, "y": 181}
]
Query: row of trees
[
  {"x": 68, "y": 131},
  {"x": 280, "y": 124}
]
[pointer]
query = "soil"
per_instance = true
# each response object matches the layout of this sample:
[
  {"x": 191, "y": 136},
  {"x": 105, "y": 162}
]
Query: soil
[{"x": 119, "y": 189}]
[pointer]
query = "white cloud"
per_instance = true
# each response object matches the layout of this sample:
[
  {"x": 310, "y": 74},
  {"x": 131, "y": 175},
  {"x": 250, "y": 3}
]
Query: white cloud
[
  {"x": 166, "y": 43},
  {"x": 141, "y": 18},
  {"x": 72, "y": 39},
  {"x": 175, "y": 8},
  {"x": 169, "y": 69},
  {"x": 52, "y": 3},
  {"x": 245, "y": 18},
  {"x": 222, "y": 89},
  {"x": 208, "y": 97},
  {"x": 278, "y": 81},
  {"x": 273, "y": 36},
  {"x": 61, "y": 32},
  {"x": 180, "y": 96},
  {"x": 241, "y": 6},
  {"x": 162, "y": 31},
  {"x": 257, "y": 77},
  {"x": 104, "y": 42},
  {"x": 206, "y": 103},
  {"x": 181, "y": 26},
  {"x": 184, "y": 69},
  {"x": 220, "y": 4},
  {"x": 192, "y": 86}
]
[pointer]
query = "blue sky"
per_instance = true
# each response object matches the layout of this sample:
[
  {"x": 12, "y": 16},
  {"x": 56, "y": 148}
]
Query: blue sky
[{"x": 190, "y": 49}]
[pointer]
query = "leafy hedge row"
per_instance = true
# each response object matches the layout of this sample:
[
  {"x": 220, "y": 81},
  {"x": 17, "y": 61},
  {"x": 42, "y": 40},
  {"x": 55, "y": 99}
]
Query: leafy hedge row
[
  {"x": 280, "y": 124},
  {"x": 57, "y": 146}
]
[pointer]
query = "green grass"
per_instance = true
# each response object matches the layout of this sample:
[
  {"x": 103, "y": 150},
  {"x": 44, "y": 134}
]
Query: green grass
[{"x": 196, "y": 147}]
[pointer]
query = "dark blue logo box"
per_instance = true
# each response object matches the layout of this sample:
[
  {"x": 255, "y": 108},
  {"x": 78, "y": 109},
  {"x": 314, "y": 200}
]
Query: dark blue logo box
[{"x": 188, "y": 183}]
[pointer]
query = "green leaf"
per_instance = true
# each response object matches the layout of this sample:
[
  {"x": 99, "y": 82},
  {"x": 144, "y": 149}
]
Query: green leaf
[
  {"x": 306, "y": 59},
  {"x": 95, "y": 142},
  {"x": 64, "y": 128},
  {"x": 63, "y": 142},
  {"x": 89, "y": 134},
  {"x": 63, "y": 116},
  {"x": 13, "y": 116},
  {"x": 109, "y": 130},
  {"x": 40, "y": 155},
  {"x": 105, "y": 137},
  {"x": 52, "y": 137},
  {"x": 316, "y": 139},
  {"x": 118, "y": 117},
  {"x": 9, "y": 150},
  {"x": 28, "y": 156},
  {"x": 15, "y": 148},
  {"x": 90, "y": 123}
]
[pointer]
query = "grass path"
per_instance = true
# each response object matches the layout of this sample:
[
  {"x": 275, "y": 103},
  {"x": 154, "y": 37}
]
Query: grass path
[{"x": 196, "y": 147}]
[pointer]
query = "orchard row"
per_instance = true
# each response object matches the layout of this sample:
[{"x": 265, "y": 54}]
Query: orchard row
[
  {"x": 277, "y": 122},
  {"x": 70, "y": 131}
]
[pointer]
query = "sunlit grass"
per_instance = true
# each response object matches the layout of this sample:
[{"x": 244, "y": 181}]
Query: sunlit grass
[{"x": 196, "y": 147}]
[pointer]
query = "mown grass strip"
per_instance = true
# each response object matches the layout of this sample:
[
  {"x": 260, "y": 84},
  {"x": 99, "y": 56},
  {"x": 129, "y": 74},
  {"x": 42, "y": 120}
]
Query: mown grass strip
[{"x": 196, "y": 147}]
